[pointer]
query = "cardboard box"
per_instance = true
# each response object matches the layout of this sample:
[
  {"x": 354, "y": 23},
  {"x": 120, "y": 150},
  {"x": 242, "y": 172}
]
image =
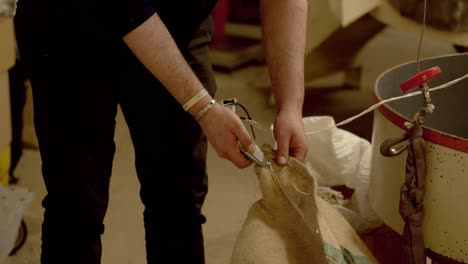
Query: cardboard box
[
  {"x": 325, "y": 17},
  {"x": 7, "y": 60},
  {"x": 348, "y": 11}
]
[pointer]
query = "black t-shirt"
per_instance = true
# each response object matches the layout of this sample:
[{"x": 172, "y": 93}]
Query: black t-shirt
[
  {"x": 180, "y": 16},
  {"x": 115, "y": 18}
]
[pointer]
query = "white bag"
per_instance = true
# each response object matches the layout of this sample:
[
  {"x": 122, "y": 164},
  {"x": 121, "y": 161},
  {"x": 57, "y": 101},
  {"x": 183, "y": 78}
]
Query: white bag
[{"x": 342, "y": 158}]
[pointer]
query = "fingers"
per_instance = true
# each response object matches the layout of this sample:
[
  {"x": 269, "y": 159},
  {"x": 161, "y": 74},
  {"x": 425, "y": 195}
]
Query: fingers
[
  {"x": 282, "y": 152},
  {"x": 244, "y": 139},
  {"x": 290, "y": 137},
  {"x": 246, "y": 142},
  {"x": 231, "y": 152},
  {"x": 290, "y": 146},
  {"x": 224, "y": 130},
  {"x": 239, "y": 160},
  {"x": 230, "y": 148},
  {"x": 299, "y": 153}
]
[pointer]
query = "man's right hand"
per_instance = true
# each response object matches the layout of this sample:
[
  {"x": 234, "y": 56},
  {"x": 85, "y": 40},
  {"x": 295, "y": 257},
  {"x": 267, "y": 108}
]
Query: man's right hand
[{"x": 224, "y": 129}]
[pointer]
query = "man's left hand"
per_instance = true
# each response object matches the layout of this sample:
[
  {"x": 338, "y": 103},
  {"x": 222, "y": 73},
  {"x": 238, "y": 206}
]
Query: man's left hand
[{"x": 290, "y": 136}]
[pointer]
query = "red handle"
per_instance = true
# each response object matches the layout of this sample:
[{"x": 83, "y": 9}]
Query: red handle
[{"x": 420, "y": 78}]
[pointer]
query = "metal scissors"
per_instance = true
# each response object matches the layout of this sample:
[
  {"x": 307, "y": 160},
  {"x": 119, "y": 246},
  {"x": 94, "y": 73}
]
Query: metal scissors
[{"x": 257, "y": 156}]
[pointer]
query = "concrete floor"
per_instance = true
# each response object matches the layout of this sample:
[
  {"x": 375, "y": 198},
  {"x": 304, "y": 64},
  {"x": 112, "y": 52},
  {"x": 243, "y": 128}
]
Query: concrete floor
[{"x": 232, "y": 191}]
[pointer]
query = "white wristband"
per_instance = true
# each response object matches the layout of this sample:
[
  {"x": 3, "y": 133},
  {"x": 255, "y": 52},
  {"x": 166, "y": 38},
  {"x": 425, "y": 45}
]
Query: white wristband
[
  {"x": 205, "y": 109},
  {"x": 194, "y": 99}
]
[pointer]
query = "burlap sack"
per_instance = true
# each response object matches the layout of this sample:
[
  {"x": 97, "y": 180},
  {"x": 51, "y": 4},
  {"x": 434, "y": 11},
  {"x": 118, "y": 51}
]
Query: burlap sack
[{"x": 292, "y": 225}]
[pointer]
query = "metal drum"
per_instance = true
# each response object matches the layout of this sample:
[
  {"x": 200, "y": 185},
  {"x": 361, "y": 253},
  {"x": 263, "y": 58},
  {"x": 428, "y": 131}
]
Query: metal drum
[{"x": 445, "y": 202}]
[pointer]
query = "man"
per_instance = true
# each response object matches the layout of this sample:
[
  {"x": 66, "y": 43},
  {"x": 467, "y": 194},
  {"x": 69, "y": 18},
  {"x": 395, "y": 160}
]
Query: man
[{"x": 83, "y": 59}]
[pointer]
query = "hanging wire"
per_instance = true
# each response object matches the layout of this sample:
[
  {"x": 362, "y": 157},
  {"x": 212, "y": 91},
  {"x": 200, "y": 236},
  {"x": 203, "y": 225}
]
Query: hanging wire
[
  {"x": 247, "y": 118},
  {"x": 422, "y": 35}
]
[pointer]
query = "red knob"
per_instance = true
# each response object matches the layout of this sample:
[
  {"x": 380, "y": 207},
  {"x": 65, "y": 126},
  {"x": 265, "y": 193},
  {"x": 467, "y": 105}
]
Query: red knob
[{"x": 420, "y": 78}]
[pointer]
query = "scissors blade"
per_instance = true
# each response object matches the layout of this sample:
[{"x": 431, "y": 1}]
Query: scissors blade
[{"x": 257, "y": 156}]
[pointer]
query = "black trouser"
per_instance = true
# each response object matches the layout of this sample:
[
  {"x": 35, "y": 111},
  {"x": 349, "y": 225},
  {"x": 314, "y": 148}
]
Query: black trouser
[
  {"x": 17, "y": 102},
  {"x": 76, "y": 91}
]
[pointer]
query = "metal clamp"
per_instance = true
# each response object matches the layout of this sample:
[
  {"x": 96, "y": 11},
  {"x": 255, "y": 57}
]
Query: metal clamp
[{"x": 389, "y": 147}]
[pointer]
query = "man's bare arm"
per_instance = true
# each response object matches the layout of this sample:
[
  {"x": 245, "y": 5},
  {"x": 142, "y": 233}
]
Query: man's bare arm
[
  {"x": 154, "y": 46},
  {"x": 284, "y": 34}
]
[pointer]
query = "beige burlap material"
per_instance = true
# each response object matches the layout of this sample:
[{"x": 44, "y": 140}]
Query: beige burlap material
[{"x": 292, "y": 225}]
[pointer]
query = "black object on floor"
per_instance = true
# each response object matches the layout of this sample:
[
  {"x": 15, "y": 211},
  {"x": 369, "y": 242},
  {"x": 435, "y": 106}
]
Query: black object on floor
[{"x": 21, "y": 239}]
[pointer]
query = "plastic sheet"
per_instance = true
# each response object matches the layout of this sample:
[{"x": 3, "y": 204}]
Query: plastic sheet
[
  {"x": 13, "y": 203},
  {"x": 342, "y": 158}
]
